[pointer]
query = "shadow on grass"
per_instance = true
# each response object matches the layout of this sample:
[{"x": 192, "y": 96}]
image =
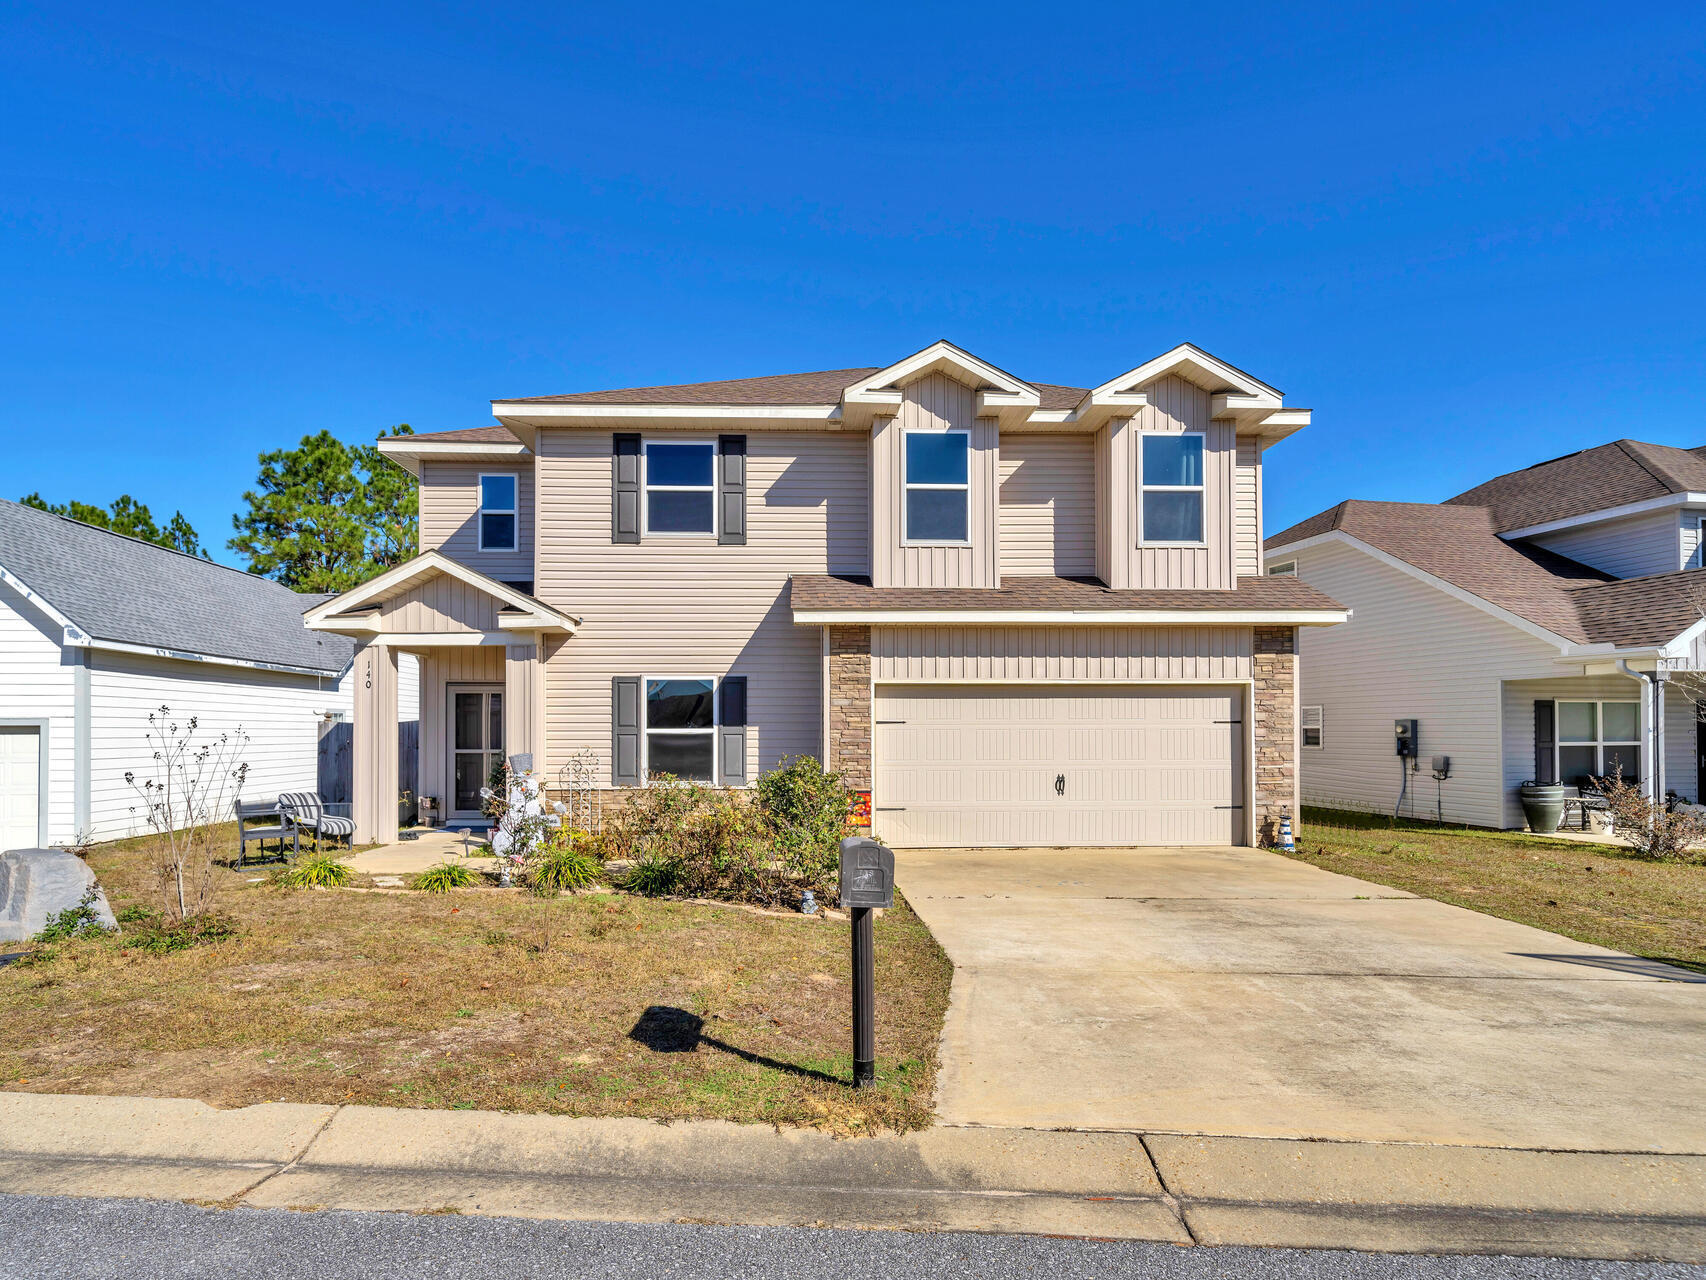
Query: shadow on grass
[{"x": 665, "y": 1029}]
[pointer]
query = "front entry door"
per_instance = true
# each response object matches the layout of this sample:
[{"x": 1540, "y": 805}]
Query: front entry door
[{"x": 476, "y": 745}]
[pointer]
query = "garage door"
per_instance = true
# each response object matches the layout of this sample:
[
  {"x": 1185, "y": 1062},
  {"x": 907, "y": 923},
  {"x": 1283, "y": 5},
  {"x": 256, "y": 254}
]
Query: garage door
[
  {"x": 1058, "y": 765},
  {"x": 20, "y": 784}
]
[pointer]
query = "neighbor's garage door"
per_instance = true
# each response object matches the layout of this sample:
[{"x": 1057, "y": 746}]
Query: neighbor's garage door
[
  {"x": 1058, "y": 765},
  {"x": 20, "y": 787}
]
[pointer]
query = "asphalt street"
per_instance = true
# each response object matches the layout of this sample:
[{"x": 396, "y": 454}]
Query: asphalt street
[{"x": 44, "y": 1237}]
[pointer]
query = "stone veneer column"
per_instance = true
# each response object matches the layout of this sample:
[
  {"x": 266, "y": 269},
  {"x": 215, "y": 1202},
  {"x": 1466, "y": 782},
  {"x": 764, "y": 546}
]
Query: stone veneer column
[
  {"x": 849, "y": 730},
  {"x": 1274, "y": 728}
]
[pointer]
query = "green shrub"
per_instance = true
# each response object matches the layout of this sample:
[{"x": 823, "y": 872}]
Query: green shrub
[
  {"x": 654, "y": 877},
  {"x": 560, "y": 866},
  {"x": 444, "y": 877},
  {"x": 805, "y": 809},
  {"x": 315, "y": 871},
  {"x": 79, "y": 921},
  {"x": 201, "y": 930}
]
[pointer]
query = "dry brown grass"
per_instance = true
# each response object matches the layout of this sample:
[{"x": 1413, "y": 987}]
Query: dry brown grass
[
  {"x": 481, "y": 999},
  {"x": 1596, "y": 894}
]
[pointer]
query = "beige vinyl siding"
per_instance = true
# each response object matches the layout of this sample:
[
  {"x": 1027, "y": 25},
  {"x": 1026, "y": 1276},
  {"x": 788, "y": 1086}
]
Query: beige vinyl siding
[
  {"x": 928, "y": 654},
  {"x": 1409, "y": 651},
  {"x": 934, "y": 402},
  {"x": 1047, "y": 517},
  {"x": 1247, "y": 508},
  {"x": 1629, "y": 548},
  {"x": 38, "y": 682},
  {"x": 1176, "y": 406},
  {"x": 440, "y": 604},
  {"x": 690, "y": 607},
  {"x": 441, "y": 668},
  {"x": 450, "y": 510},
  {"x": 1111, "y": 513},
  {"x": 279, "y": 712}
]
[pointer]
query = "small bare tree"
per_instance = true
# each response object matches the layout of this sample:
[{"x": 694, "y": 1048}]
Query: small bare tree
[
  {"x": 1653, "y": 830},
  {"x": 188, "y": 790}
]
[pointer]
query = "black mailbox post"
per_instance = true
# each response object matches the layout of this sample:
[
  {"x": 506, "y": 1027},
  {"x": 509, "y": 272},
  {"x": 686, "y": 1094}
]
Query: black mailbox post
[{"x": 867, "y": 882}]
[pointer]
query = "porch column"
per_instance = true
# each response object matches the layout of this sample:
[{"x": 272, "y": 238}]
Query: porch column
[
  {"x": 524, "y": 702},
  {"x": 847, "y": 741},
  {"x": 373, "y": 793}
]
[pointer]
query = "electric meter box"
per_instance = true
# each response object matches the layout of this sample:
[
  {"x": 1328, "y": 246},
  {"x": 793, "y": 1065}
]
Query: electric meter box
[{"x": 1405, "y": 738}]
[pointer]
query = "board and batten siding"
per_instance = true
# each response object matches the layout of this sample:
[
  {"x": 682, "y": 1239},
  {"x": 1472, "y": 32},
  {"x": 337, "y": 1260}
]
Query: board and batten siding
[
  {"x": 1091, "y": 654},
  {"x": 280, "y": 713},
  {"x": 1047, "y": 515},
  {"x": 450, "y": 516},
  {"x": 439, "y": 605},
  {"x": 1247, "y": 508},
  {"x": 439, "y": 669},
  {"x": 38, "y": 682},
  {"x": 1634, "y": 547},
  {"x": 934, "y": 403},
  {"x": 685, "y": 606},
  {"x": 1408, "y": 651}
]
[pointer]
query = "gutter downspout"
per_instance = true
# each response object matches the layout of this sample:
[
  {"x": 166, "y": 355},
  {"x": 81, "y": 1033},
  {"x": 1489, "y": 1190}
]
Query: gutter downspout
[{"x": 1653, "y": 682}]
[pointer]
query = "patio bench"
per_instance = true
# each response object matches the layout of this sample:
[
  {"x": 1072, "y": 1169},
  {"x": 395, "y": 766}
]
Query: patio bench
[
  {"x": 305, "y": 811},
  {"x": 252, "y": 825}
]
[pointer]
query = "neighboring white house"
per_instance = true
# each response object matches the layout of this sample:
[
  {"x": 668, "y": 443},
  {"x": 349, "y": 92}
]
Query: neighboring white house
[
  {"x": 97, "y": 630},
  {"x": 1529, "y": 626}
]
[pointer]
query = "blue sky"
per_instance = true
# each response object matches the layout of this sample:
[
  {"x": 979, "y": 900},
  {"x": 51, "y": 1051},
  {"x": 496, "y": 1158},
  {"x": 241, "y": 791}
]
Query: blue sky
[{"x": 1469, "y": 239}]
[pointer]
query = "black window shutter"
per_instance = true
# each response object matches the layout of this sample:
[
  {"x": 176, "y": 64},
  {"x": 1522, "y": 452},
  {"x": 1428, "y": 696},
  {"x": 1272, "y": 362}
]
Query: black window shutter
[
  {"x": 1545, "y": 739},
  {"x": 626, "y": 708},
  {"x": 624, "y": 487},
  {"x": 731, "y": 731},
  {"x": 731, "y": 520}
]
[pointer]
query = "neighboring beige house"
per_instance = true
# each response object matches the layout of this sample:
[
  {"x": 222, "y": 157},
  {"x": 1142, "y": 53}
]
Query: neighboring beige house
[
  {"x": 1545, "y": 625},
  {"x": 1015, "y": 613}
]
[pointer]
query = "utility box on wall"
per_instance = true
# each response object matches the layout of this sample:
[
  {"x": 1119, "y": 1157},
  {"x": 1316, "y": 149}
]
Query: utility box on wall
[{"x": 1406, "y": 738}]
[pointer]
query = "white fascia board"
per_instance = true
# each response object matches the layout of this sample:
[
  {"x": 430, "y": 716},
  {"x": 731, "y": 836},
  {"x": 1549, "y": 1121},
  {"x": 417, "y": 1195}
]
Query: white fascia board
[
  {"x": 212, "y": 659},
  {"x": 322, "y": 616},
  {"x": 1564, "y": 644},
  {"x": 1074, "y": 617},
  {"x": 530, "y": 622},
  {"x": 545, "y": 415},
  {"x": 439, "y": 639},
  {"x": 409, "y": 454},
  {"x": 1186, "y": 356},
  {"x": 935, "y": 355},
  {"x": 1610, "y": 513},
  {"x": 74, "y": 635},
  {"x": 1681, "y": 646}
]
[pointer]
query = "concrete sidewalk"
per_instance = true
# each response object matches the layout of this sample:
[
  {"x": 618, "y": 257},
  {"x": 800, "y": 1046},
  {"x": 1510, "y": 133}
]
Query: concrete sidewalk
[{"x": 1181, "y": 1189}]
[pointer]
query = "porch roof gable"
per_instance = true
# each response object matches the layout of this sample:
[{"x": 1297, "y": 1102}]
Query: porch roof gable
[{"x": 362, "y": 610}]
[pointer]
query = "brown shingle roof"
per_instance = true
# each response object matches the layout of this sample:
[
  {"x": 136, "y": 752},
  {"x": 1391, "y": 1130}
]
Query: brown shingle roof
[
  {"x": 1608, "y": 475},
  {"x": 1634, "y": 612},
  {"x": 824, "y": 387},
  {"x": 810, "y": 592},
  {"x": 467, "y": 435}
]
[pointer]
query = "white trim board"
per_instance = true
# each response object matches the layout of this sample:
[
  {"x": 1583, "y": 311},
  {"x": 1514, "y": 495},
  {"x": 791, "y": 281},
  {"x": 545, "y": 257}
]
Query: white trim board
[{"x": 1085, "y": 617}]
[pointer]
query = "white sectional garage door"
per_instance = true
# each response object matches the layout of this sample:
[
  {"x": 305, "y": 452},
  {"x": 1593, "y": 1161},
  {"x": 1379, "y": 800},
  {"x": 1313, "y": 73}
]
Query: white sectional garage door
[{"x": 967, "y": 765}]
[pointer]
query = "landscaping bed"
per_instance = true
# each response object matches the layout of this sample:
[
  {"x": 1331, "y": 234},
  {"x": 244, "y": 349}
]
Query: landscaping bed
[
  {"x": 1596, "y": 894},
  {"x": 586, "y": 1004}
]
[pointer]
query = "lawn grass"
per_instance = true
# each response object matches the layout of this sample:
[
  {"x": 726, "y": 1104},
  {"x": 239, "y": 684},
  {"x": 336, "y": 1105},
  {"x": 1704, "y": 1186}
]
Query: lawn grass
[
  {"x": 1593, "y": 893},
  {"x": 482, "y": 998}
]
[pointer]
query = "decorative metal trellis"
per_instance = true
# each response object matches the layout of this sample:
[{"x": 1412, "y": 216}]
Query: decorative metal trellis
[{"x": 578, "y": 791}]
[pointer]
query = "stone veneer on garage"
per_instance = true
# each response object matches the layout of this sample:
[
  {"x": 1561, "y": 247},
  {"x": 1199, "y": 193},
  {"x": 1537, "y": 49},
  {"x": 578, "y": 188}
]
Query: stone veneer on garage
[{"x": 1273, "y": 713}]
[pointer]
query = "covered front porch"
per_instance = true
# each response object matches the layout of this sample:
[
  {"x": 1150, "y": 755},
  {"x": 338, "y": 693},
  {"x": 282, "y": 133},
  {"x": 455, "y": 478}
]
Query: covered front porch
[{"x": 482, "y": 646}]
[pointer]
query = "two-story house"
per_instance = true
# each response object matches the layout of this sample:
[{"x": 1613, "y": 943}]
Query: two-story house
[
  {"x": 1014, "y": 613},
  {"x": 1546, "y": 625}
]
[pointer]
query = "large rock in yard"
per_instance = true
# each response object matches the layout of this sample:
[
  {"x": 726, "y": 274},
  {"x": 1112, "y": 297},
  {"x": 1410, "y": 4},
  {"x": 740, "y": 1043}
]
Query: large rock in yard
[{"x": 38, "y": 883}]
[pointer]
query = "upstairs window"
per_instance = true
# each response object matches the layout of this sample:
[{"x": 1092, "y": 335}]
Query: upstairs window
[
  {"x": 681, "y": 734},
  {"x": 497, "y": 513},
  {"x": 1171, "y": 487},
  {"x": 681, "y": 486},
  {"x": 937, "y": 480}
]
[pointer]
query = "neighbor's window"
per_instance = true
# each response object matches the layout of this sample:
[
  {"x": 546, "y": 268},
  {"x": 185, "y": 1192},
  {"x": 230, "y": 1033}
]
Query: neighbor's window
[
  {"x": 937, "y": 479},
  {"x": 1311, "y": 726},
  {"x": 1597, "y": 739},
  {"x": 1285, "y": 569},
  {"x": 497, "y": 513},
  {"x": 681, "y": 486},
  {"x": 1172, "y": 487},
  {"x": 681, "y": 735}
]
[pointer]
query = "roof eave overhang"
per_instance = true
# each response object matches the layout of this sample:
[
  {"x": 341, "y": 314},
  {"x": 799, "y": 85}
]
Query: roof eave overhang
[
  {"x": 1072, "y": 617},
  {"x": 522, "y": 613},
  {"x": 526, "y": 420},
  {"x": 999, "y": 394},
  {"x": 1610, "y": 513},
  {"x": 410, "y": 453}
]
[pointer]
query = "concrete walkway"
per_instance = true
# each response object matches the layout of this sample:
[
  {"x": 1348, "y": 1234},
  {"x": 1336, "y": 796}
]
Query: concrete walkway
[
  {"x": 1183, "y": 1190},
  {"x": 408, "y": 857},
  {"x": 1234, "y": 991}
]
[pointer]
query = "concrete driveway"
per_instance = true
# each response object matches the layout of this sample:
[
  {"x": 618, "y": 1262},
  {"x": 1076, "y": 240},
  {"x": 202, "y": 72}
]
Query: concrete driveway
[{"x": 1233, "y": 991}]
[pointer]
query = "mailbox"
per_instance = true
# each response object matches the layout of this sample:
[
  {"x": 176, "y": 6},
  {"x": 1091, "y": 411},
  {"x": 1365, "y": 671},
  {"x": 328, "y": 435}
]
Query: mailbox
[{"x": 867, "y": 873}]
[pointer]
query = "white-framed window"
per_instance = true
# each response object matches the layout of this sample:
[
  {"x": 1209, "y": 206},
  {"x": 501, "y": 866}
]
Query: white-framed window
[
  {"x": 681, "y": 727},
  {"x": 498, "y": 518},
  {"x": 1597, "y": 739},
  {"x": 679, "y": 479},
  {"x": 1284, "y": 569},
  {"x": 1310, "y": 726},
  {"x": 1170, "y": 488},
  {"x": 936, "y": 484}
]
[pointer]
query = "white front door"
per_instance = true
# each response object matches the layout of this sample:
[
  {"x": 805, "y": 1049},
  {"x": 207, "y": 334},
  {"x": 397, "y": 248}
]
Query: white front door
[
  {"x": 1047, "y": 765},
  {"x": 476, "y": 744},
  {"x": 20, "y": 787}
]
